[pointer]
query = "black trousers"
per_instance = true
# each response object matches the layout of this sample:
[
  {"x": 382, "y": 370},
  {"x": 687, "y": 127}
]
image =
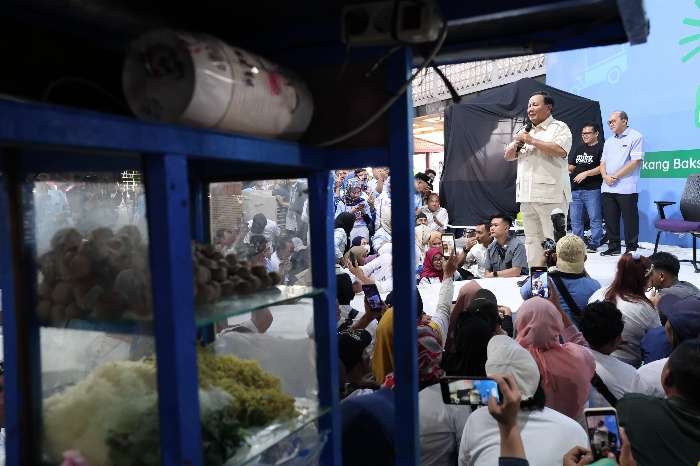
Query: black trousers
[{"x": 613, "y": 206}]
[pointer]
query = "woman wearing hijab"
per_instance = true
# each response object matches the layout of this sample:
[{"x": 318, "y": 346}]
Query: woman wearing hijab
[
  {"x": 359, "y": 241},
  {"x": 356, "y": 203},
  {"x": 432, "y": 271},
  {"x": 471, "y": 335},
  {"x": 383, "y": 357},
  {"x": 441, "y": 425},
  {"x": 358, "y": 254},
  {"x": 464, "y": 298},
  {"x": 566, "y": 368},
  {"x": 432, "y": 267},
  {"x": 341, "y": 235},
  {"x": 435, "y": 240}
]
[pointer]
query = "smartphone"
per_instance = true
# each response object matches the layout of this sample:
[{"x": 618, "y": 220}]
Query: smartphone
[
  {"x": 539, "y": 282},
  {"x": 472, "y": 391},
  {"x": 373, "y": 298},
  {"x": 603, "y": 431},
  {"x": 448, "y": 245}
]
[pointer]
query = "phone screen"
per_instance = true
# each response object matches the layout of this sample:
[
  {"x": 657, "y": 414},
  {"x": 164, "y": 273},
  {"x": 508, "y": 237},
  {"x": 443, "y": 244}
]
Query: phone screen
[
  {"x": 472, "y": 391},
  {"x": 603, "y": 432},
  {"x": 539, "y": 282},
  {"x": 373, "y": 297},
  {"x": 448, "y": 245}
]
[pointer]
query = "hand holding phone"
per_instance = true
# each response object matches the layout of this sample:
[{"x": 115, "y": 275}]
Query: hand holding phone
[
  {"x": 603, "y": 432},
  {"x": 373, "y": 298},
  {"x": 472, "y": 391},
  {"x": 506, "y": 412},
  {"x": 539, "y": 282},
  {"x": 448, "y": 245}
]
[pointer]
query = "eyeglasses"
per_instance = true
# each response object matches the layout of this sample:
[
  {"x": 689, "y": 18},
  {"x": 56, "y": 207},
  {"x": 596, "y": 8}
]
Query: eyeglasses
[{"x": 587, "y": 133}]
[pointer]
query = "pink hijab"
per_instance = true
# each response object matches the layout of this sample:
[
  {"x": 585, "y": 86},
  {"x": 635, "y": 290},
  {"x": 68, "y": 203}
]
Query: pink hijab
[
  {"x": 567, "y": 368},
  {"x": 428, "y": 269}
]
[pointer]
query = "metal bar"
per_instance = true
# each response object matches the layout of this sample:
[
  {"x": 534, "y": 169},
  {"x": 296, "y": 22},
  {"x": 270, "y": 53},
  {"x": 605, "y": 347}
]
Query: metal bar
[
  {"x": 21, "y": 345},
  {"x": 402, "y": 231},
  {"x": 38, "y": 161},
  {"x": 43, "y": 125},
  {"x": 323, "y": 276},
  {"x": 168, "y": 203},
  {"x": 199, "y": 220},
  {"x": 13, "y": 390},
  {"x": 342, "y": 158},
  {"x": 200, "y": 209}
]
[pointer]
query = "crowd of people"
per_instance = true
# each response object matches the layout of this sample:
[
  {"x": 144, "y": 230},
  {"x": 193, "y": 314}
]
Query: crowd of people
[
  {"x": 631, "y": 345},
  {"x": 604, "y": 347}
]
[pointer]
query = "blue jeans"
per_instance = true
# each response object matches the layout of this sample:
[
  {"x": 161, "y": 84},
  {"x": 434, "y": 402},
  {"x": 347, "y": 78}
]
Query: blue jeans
[{"x": 588, "y": 200}]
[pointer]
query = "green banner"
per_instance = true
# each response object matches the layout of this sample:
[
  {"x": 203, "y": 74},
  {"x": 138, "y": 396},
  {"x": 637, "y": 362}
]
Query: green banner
[{"x": 671, "y": 164}]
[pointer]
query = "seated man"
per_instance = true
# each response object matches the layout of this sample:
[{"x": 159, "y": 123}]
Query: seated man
[
  {"x": 505, "y": 256},
  {"x": 682, "y": 317},
  {"x": 475, "y": 247},
  {"x": 667, "y": 431},
  {"x": 437, "y": 216},
  {"x": 602, "y": 326},
  {"x": 573, "y": 285},
  {"x": 260, "y": 225},
  {"x": 224, "y": 240},
  {"x": 422, "y": 184},
  {"x": 280, "y": 261},
  {"x": 663, "y": 278}
]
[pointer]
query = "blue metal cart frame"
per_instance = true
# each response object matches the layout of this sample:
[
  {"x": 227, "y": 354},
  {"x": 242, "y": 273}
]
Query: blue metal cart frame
[{"x": 177, "y": 213}]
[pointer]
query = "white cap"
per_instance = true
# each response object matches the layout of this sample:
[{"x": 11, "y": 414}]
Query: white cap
[{"x": 505, "y": 356}]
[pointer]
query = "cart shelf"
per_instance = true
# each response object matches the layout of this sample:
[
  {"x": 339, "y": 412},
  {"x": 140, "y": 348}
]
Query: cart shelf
[
  {"x": 225, "y": 308},
  {"x": 262, "y": 441}
]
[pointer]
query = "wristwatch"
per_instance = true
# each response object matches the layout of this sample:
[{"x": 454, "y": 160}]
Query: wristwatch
[{"x": 495, "y": 273}]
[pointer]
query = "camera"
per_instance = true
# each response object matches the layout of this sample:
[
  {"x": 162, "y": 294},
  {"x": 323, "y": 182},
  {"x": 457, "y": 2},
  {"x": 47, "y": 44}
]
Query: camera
[{"x": 549, "y": 245}]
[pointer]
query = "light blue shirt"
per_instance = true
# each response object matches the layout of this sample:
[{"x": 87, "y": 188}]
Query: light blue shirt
[
  {"x": 341, "y": 207},
  {"x": 617, "y": 151}
]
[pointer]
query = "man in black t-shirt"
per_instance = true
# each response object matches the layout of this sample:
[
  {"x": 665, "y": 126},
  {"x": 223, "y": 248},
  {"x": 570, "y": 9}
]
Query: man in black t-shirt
[{"x": 584, "y": 170}]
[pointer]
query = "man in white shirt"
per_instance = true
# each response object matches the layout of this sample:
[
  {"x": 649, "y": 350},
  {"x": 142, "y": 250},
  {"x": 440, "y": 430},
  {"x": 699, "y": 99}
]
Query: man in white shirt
[
  {"x": 437, "y": 216},
  {"x": 376, "y": 184},
  {"x": 602, "y": 326},
  {"x": 261, "y": 225},
  {"x": 543, "y": 183},
  {"x": 546, "y": 434},
  {"x": 380, "y": 268},
  {"x": 476, "y": 246},
  {"x": 280, "y": 260},
  {"x": 682, "y": 323},
  {"x": 382, "y": 234}
]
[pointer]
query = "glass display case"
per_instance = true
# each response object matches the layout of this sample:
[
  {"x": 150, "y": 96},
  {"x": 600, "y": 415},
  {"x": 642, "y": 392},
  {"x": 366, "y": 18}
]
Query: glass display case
[{"x": 253, "y": 309}]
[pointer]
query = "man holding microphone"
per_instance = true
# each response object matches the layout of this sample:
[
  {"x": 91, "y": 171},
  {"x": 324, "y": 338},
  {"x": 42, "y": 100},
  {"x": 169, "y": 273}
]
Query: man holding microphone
[{"x": 542, "y": 184}]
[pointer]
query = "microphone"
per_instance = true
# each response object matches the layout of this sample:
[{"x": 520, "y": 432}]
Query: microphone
[{"x": 528, "y": 127}]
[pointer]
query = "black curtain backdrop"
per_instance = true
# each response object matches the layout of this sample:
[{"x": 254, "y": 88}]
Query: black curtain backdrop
[{"x": 476, "y": 181}]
